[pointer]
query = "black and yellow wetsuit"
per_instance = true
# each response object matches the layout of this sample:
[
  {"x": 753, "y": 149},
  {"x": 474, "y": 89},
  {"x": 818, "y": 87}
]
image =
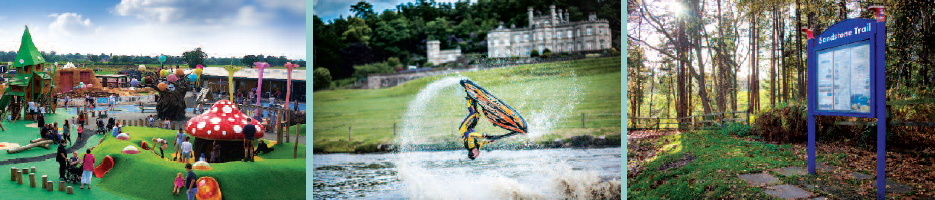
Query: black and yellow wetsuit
[{"x": 473, "y": 139}]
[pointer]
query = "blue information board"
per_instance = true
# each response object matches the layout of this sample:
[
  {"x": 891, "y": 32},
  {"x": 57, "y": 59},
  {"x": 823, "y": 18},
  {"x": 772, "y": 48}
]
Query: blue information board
[{"x": 847, "y": 77}]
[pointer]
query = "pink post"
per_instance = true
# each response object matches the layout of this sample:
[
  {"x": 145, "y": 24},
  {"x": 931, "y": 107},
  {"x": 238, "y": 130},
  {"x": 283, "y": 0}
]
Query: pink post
[
  {"x": 289, "y": 67},
  {"x": 259, "y": 83}
]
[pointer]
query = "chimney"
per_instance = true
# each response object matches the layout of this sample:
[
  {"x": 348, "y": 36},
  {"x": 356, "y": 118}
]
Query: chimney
[
  {"x": 529, "y": 12},
  {"x": 566, "y": 15},
  {"x": 501, "y": 25},
  {"x": 592, "y": 16},
  {"x": 560, "y": 19},
  {"x": 552, "y": 14},
  {"x": 512, "y": 25}
]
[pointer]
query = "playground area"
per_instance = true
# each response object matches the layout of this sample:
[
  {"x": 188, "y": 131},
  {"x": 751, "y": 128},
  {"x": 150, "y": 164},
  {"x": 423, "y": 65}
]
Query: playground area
[{"x": 131, "y": 158}]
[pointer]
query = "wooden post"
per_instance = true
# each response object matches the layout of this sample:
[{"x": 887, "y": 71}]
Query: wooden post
[
  {"x": 69, "y": 190},
  {"x": 13, "y": 173},
  {"x": 32, "y": 169},
  {"x": 295, "y": 150},
  {"x": 394, "y": 129},
  {"x": 19, "y": 176},
  {"x": 44, "y": 179},
  {"x": 285, "y": 125},
  {"x": 32, "y": 179},
  {"x": 348, "y": 133},
  {"x": 61, "y": 186},
  {"x": 48, "y": 186},
  {"x": 582, "y": 120}
]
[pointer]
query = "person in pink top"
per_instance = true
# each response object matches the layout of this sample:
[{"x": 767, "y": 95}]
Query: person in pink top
[
  {"x": 178, "y": 183},
  {"x": 88, "y": 161}
]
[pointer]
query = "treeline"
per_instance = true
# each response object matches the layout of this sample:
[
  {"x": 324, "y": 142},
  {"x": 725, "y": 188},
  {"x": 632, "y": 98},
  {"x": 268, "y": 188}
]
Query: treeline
[
  {"x": 194, "y": 56},
  {"x": 370, "y": 37}
]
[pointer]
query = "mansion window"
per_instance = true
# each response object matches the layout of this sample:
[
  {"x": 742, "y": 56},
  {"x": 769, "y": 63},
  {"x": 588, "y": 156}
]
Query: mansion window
[
  {"x": 548, "y": 35},
  {"x": 569, "y": 33},
  {"x": 578, "y": 33},
  {"x": 526, "y": 37},
  {"x": 559, "y": 48},
  {"x": 589, "y": 31},
  {"x": 570, "y": 48},
  {"x": 559, "y": 34},
  {"x": 589, "y": 46}
]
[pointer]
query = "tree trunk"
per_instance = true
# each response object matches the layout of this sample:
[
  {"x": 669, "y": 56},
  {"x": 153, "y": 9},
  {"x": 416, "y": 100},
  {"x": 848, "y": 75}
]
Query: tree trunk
[
  {"x": 798, "y": 52},
  {"x": 171, "y": 104}
]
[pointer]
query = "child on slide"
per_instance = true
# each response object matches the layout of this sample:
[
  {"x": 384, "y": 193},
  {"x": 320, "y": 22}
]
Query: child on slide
[
  {"x": 472, "y": 140},
  {"x": 178, "y": 183}
]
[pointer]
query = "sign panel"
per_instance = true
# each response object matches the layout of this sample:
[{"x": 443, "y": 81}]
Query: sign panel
[{"x": 844, "y": 78}]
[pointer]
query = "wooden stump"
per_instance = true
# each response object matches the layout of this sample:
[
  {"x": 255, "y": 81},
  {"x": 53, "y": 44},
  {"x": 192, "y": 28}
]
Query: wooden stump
[
  {"x": 69, "y": 190},
  {"x": 19, "y": 176},
  {"x": 48, "y": 186},
  {"x": 13, "y": 173},
  {"x": 61, "y": 186},
  {"x": 45, "y": 178},
  {"x": 32, "y": 180},
  {"x": 32, "y": 169}
]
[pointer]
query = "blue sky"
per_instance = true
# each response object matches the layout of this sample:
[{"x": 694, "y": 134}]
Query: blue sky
[
  {"x": 328, "y": 10},
  {"x": 223, "y": 28}
]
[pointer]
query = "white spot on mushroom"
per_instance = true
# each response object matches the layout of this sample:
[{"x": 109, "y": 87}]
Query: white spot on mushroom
[
  {"x": 193, "y": 130},
  {"x": 227, "y": 109},
  {"x": 237, "y": 129},
  {"x": 217, "y": 127},
  {"x": 189, "y": 123},
  {"x": 243, "y": 121},
  {"x": 201, "y": 125},
  {"x": 215, "y": 120},
  {"x": 231, "y": 120},
  {"x": 224, "y": 133},
  {"x": 209, "y": 132},
  {"x": 214, "y": 110}
]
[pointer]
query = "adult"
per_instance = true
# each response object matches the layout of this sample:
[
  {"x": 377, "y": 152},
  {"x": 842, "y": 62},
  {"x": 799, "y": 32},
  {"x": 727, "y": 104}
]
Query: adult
[
  {"x": 190, "y": 182},
  {"x": 40, "y": 120},
  {"x": 215, "y": 152},
  {"x": 249, "y": 130},
  {"x": 178, "y": 143},
  {"x": 66, "y": 131},
  {"x": 66, "y": 102},
  {"x": 74, "y": 161},
  {"x": 41, "y": 110},
  {"x": 262, "y": 147},
  {"x": 61, "y": 157},
  {"x": 472, "y": 140},
  {"x": 186, "y": 150},
  {"x": 112, "y": 100},
  {"x": 162, "y": 145},
  {"x": 88, "y": 161},
  {"x": 116, "y": 130},
  {"x": 32, "y": 109},
  {"x": 81, "y": 118}
]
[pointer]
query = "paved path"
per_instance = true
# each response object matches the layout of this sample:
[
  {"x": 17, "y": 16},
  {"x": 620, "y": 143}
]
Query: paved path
[
  {"x": 78, "y": 144},
  {"x": 775, "y": 188}
]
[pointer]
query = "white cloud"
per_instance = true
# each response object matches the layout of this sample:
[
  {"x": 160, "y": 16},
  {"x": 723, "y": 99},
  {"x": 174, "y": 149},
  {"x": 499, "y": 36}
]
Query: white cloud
[
  {"x": 2, "y": 17},
  {"x": 72, "y": 24},
  {"x": 295, "y": 6},
  {"x": 167, "y": 11},
  {"x": 248, "y": 16}
]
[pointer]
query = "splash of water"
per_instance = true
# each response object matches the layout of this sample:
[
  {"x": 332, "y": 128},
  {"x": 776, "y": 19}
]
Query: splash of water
[{"x": 545, "y": 104}]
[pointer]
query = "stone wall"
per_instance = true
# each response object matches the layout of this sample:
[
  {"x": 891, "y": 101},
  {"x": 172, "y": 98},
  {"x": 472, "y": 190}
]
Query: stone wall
[{"x": 377, "y": 81}]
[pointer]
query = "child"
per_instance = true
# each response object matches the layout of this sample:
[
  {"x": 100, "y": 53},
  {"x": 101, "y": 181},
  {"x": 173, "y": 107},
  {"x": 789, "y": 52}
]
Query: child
[
  {"x": 80, "y": 131},
  {"x": 66, "y": 132},
  {"x": 165, "y": 123},
  {"x": 178, "y": 183}
]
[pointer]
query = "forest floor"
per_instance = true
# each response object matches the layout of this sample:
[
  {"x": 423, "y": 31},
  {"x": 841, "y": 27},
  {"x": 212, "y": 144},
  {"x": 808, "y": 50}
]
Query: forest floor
[{"x": 707, "y": 164}]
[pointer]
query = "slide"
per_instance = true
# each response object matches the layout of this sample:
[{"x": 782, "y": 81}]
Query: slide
[
  {"x": 208, "y": 189},
  {"x": 4, "y": 102},
  {"x": 104, "y": 167}
]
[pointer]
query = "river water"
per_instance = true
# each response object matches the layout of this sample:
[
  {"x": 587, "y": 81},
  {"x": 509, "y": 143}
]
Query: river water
[{"x": 526, "y": 174}]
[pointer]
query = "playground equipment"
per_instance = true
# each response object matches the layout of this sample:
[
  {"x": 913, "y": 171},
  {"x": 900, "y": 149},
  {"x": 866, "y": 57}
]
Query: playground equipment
[
  {"x": 106, "y": 164},
  {"x": 32, "y": 143},
  {"x": 208, "y": 189},
  {"x": 31, "y": 83}
]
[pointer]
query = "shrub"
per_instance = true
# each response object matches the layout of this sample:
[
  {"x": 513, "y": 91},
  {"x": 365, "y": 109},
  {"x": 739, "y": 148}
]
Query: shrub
[
  {"x": 321, "y": 78},
  {"x": 736, "y": 129},
  {"x": 534, "y": 53},
  {"x": 785, "y": 123}
]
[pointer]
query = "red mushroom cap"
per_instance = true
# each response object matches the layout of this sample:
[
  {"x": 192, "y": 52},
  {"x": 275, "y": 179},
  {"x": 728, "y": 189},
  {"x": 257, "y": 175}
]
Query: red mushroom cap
[{"x": 222, "y": 122}]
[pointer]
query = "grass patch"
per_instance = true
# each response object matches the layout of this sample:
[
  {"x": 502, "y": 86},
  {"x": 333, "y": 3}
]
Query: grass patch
[
  {"x": 718, "y": 159},
  {"x": 147, "y": 175},
  {"x": 372, "y": 114}
]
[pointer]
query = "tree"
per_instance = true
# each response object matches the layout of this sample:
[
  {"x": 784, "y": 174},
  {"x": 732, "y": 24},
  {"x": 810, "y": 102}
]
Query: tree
[
  {"x": 534, "y": 53},
  {"x": 362, "y": 9},
  {"x": 546, "y": 53},
  {"x": 357, "y": 31},
  {"x": 248, "y": 60},
  {"x": 195, "y": 57},
  {"x": 322, "y": 78}
]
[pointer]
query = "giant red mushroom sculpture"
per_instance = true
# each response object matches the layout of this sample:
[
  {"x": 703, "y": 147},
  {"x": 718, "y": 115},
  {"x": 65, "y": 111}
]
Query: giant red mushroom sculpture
[{"x": 222, "y": 123}]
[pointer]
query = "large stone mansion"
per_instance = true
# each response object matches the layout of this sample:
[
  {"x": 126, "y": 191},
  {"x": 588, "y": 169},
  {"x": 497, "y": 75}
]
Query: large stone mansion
[{"x": 554, "y": 32}]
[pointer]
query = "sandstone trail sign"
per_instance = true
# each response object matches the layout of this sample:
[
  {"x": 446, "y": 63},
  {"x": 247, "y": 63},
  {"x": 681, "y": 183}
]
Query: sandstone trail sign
[{"x": 847, "y": 77}]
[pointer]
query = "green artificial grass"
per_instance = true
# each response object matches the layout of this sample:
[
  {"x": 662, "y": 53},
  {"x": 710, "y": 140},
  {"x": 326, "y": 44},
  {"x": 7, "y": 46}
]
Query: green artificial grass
[
  {"x": 20, "y": 134},
  {"x": 147, "y": 175},
  {"x": 372, "y": 114}
]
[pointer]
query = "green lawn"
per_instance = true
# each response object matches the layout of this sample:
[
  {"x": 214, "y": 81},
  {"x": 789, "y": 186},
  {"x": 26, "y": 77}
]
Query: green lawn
[
  {"x": 550, "y": 92},
  {"x": 145, "y": 175}
]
